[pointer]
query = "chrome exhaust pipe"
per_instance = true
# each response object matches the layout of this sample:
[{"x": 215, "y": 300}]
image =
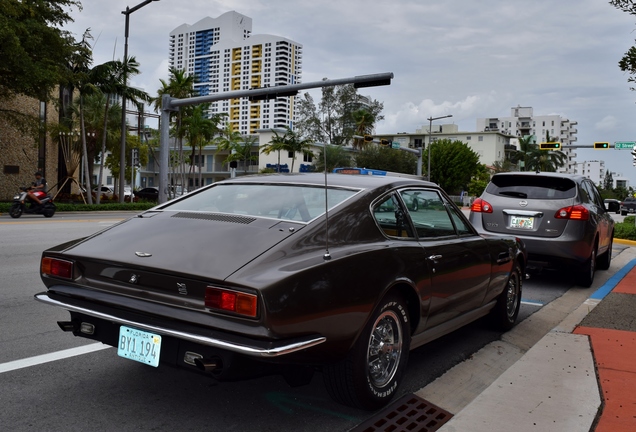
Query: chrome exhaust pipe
[
  {"x": 67, "y": 326},
  {"x": 209, "y": 364}
]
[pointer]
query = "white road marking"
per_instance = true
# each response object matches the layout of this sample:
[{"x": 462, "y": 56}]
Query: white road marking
[{"x": 54, "y": 356}]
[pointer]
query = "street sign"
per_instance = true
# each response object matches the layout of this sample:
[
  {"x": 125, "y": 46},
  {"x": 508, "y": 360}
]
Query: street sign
[
  {"x": 624, "y": 145},
  {"x": 395, "y": 145}
]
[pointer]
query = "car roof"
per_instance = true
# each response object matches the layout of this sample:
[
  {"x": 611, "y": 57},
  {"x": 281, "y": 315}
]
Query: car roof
[
  {"x": 574, "y": 177},
  {"x": 333, "y": 180}
]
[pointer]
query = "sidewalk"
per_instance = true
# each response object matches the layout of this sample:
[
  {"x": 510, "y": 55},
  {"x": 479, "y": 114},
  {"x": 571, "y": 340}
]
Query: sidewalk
[{"x": 580, "y": 376}]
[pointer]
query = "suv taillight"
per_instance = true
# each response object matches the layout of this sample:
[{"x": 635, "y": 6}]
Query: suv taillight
[
  {"x": 577, "y": 212},
  {"x": 481, "y": 206}
]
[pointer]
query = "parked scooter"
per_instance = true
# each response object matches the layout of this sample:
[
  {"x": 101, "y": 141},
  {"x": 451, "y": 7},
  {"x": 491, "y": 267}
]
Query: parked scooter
[{"x": 22, "y": 204}]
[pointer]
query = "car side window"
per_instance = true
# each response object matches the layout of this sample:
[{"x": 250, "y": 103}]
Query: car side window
[
  {"x": 596, "y": 196},
  {"x": 391, "y": 218},
  {"x": 591, "y": 193},
  {"x": 428, "y": 213}
]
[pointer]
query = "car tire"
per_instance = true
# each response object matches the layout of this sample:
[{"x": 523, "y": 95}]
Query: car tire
[
  {"x": 605, "y": 260},
  {"x": 369, "y": 376},
  {"x": 586, "y": 275},
  {"x": 623, "y": 213},
  {"x": 504, "y": 314}
]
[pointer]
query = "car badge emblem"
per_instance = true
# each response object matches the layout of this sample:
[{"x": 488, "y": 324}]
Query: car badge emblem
[
  {"x": 143, "y": 254},
  {"x": 133, "y": 279},
  {"x": 182, "y": 288},
  {"x": 523, "y": 203}
]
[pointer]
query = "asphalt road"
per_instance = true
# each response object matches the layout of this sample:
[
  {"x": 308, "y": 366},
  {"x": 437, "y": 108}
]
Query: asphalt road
[{"x": 99, "y": 391}]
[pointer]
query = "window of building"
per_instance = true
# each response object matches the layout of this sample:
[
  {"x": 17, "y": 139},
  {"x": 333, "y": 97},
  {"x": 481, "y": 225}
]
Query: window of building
[{"x": 480, "y": 138}]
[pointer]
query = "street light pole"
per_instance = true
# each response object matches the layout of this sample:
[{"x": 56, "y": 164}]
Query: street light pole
[
  {"x": 122, "y": 148},
  {"x": 430, "y": 133}
]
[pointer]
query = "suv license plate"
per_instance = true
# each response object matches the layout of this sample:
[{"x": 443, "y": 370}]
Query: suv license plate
[
  {"x": 139, "y": 345},
  {"x": 522, "y": 222}
]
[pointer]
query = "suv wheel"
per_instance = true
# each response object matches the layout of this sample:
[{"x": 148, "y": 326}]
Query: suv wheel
[{"x": 586, "y": 276}]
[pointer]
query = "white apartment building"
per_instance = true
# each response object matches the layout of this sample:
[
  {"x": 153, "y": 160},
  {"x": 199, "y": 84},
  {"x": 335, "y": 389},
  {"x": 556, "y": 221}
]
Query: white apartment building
[
  {"x": 491, "y": 146},
  {"x": 224, "y": 55},
  {"x": 522, "y": 122},
  {"x": 595, "y": 171}
]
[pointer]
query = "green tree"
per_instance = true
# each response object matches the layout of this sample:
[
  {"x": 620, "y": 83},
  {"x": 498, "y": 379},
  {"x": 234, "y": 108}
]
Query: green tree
[
  {"x": 199, "y": 130},
  {"x": 364, "y": 122},
  {"x": 33, "y": 48},
  {"x": 109, "y": 79},
  {"x": 453, "y": 164},
  {"x": 242, "y": 152},
  {"x": 528, "y": 151},
  {"x": 608, "y": 181},
  {"x": 337, "y": 156},
  {"x": 332, "y": 121},
  {"x": 387, "y": 159},
  {"x": 179, "y": 85},
  {"x": 547, "y": 161},
  {"x": 479, "y": 181},
  {"x": 628, "y": 61}
]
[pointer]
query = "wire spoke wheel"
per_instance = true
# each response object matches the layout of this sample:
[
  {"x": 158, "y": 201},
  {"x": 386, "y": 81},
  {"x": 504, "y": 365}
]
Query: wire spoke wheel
[{"x": 385, "y": 349}]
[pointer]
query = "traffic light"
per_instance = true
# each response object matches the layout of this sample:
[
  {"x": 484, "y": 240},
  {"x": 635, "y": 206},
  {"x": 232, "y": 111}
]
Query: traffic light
[
  {"x": 601, "y": 145},
  {"x": 368, "y": 138},
  {"x": 386, "y": 142},
  {"x": 634, "y": 157},
  {"x": 550, "y": 146},
  {"x": 135, "y": 158}
]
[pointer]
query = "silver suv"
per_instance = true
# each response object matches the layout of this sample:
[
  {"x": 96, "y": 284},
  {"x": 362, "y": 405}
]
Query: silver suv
[{"x": 560, "y": 217}]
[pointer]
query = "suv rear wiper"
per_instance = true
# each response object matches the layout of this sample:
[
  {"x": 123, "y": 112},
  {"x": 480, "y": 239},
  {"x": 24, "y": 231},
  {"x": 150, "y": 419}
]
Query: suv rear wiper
[{"x": 514, "y": 194}]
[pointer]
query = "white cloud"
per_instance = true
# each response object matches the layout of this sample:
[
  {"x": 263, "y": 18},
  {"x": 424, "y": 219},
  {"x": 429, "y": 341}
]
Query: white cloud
[{"x": 461, "y": 57}]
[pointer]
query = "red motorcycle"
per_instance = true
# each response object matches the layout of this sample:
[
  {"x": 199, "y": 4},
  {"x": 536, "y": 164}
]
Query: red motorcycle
[{"x": 23, "y": 204}]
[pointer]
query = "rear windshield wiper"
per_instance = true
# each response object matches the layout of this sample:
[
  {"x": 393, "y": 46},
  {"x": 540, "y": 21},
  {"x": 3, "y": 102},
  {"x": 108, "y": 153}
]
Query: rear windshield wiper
[{"x": 514, "y": 194}]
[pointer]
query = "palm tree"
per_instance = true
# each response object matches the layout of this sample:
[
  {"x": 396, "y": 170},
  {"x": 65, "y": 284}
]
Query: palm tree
[
  {"x": 527, "y": 151},
  {"x": 242, "y": 151},
  {"x": 275, "y": 145},
  {"x": 79, "y": 78},
  {"x": 364, "y": 122},
  {"x": 548, "y": 161},
  {"x": 180, "y": 85},
  {"x": 294, "y": 144},
  {"x": 289, "y": 142},
  {"x": 109, "y": 78},
  {"x": 199, "y": 130}
]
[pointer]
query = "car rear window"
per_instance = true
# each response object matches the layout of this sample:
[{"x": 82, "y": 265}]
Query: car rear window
[
  {"x": 279, "y": 201},
  {"x": 532, "y": 187}
]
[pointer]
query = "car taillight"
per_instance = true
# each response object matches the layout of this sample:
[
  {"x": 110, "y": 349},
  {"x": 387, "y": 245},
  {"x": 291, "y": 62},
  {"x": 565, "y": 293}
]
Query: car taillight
[
  {"x": 57, "y": 267},
  {"x": 231, "y": 301},
  {"x": 577, "y": 212},
  {"x": 481, "y": 206}
]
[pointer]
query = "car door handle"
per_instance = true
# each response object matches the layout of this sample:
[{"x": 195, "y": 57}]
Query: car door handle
[
  {"x": 503, "y": 258},
  {"x": 434, "y": 257}
]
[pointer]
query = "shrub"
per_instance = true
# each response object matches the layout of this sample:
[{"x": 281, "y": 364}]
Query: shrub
[{"x": 625, "y": 230}]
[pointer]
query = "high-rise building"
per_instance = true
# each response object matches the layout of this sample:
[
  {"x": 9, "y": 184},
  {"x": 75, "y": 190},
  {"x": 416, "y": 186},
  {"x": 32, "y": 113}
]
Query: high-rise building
[
  {"x": 224, "y": 55},
  {"x": 522, "y": 122}
]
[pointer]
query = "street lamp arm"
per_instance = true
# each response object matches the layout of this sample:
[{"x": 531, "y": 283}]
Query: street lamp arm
[{"x": 128, "y": 10}]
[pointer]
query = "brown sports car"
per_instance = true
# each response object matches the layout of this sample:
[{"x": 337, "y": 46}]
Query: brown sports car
[{"x": 288, "y": 274}]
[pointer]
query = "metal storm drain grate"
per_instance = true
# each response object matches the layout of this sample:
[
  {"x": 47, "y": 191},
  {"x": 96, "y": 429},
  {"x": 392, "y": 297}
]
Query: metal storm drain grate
[{"x": 408, "y": 414}]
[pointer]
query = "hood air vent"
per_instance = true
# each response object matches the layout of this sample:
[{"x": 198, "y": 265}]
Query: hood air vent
[{"x": 216, "y": 217}]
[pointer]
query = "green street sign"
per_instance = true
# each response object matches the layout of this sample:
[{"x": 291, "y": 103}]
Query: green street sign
[{"x": 624, "y": 145}]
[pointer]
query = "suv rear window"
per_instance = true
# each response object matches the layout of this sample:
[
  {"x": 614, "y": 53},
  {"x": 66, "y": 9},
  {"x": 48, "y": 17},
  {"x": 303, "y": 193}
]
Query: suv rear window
[{"x": 532, "y": 187}]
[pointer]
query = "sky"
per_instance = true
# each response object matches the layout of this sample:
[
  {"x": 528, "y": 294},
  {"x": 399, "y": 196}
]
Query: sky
[{"x": 471, "y": 59}]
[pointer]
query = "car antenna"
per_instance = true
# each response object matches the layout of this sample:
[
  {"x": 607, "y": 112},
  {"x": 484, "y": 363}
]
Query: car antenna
[{"x": 327, "y": 255}]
